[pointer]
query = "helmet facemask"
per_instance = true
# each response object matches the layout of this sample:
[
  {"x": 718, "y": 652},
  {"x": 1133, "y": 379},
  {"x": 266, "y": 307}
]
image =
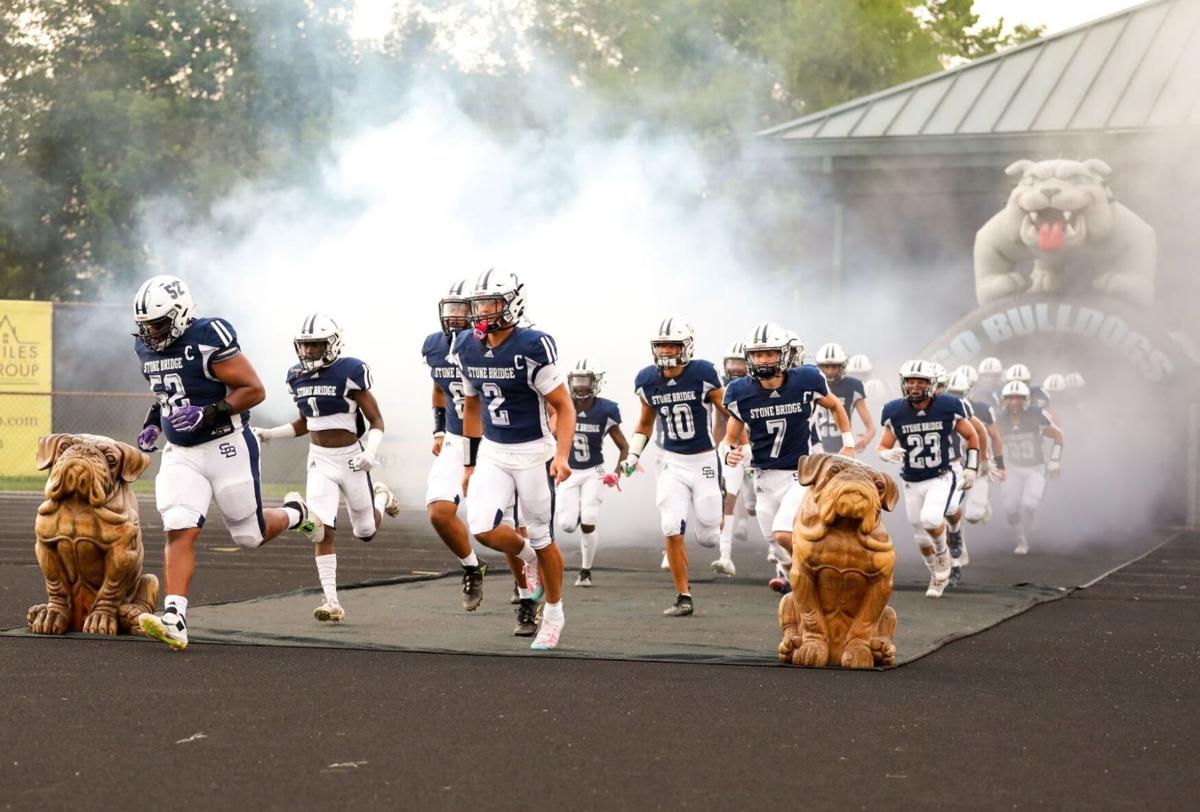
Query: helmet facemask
[
  {"x": 917, "y": 389},
  {"x": 763, "y": 370},
  {"x": 315, "y": 353},
  {"x": 454, "y": 314},
  {"x": 680, "y": 358},
  {"x": 833, "y": 372},
  {"x": 491, "y": 313},
  {"x": 736, "y": 368},
  {"x": 583, "y": 385},
  {"x": 160, "y": 333},
  {"x": 1015, "y": 404}
]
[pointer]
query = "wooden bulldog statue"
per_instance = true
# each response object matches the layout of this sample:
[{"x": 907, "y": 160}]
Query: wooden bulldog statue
[
  {"x": 89, "y": 542},
  {"x": 842, "y": 562}
]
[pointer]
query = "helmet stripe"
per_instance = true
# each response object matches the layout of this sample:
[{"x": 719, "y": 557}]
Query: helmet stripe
[
  {"x": 487, "y": 275},
  {"x": 667, "y": 332}
]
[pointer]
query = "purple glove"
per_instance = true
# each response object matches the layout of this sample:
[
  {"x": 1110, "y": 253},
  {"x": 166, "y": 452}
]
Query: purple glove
[
  {"x": 187, "y": 418},
  {"x": 148, "y": 439}
]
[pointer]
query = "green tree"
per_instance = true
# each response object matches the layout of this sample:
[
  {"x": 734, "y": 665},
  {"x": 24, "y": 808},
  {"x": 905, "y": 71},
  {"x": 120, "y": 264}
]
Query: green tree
[{"x": 109, "y": 104}]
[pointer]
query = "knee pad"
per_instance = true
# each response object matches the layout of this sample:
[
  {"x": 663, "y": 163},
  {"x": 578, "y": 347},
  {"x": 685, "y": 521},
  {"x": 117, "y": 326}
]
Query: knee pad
[
  {"x": 245, "y": 532},
  {"x": 708, "y": 535},
  {"x": 932, "y": 519},
  {"x": 366, "y": 529},
  {"x": 181, "y": 518},
  {"x": 567, "y": 523}
]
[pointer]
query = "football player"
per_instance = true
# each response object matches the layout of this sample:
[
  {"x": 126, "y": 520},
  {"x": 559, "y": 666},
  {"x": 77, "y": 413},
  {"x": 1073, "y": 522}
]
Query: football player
[
  {"x": 509, "y": 375},
  {"x": 918, "y": 433},
  {"x": 443, "y": 490},
  {"x": 204, "y": 388},
  {"x": 832, "y": 361},
  {"x": 1023, "y": 425},
  {"x": 580, "y": 496},
  {"x": 678, "y": 393},
  {"x": 991, "y": 379},
  {"x": 333, "y": 395},
  {"x": 733, "y": 367},
  {"x": 1037, "y": 396},
  {"x": 974, "y": 505},
  {"x": 776, "y": 406}
]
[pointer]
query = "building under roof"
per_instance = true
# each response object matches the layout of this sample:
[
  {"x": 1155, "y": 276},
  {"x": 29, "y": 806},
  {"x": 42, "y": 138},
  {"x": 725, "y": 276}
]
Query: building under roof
[
  {"x": 1132, "y": 73},
  {"x": 897, "y": 182}
]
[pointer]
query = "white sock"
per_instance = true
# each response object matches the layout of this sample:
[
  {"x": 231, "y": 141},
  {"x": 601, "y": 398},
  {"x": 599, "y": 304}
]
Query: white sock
[
  {"x": 524, "y": 594},
  {"x": 587, "y": 546},
  {"x": 528, "y": 554},
  {"x": 954, "y": 526},
  {"x": 327, "y": 572},
  {"x": 553, "y": 612},
  {"x": 939, "y": 542},
  {"x": 470, "y": 561},
  {"x": 381, "y": 500},
  {"x": 726, "y": 540},
  {"x": 176, "y": 603},
  {"x": 293, "y": 517},
  {"x": 782, "y": 555},
  {"x": 930, "y": 558}
]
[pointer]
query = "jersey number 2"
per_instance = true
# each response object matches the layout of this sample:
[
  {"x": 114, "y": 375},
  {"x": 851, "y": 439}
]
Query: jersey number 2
[{"x": 495, "y": 400}]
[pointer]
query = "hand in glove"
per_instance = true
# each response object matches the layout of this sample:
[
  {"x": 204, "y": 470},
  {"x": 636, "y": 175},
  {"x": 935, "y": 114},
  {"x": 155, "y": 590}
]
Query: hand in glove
[
  {"x": 363, "y": 461},
  {"x": 894, "y": 454},
  {"x": 148, "y": 439}
]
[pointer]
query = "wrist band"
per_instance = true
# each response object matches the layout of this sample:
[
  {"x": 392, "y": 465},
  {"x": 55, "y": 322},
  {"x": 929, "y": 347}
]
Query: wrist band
[
  {"x": 1056, "y": 452},
  {"x": 973, "y": 459},
  {"x": 847, "y": 439},
  {"x": 215, "y": 411},
  {"x": 472, "y": 452},
  {"x": 439, "y": 420},
  {"x": 999, "y": 461}
]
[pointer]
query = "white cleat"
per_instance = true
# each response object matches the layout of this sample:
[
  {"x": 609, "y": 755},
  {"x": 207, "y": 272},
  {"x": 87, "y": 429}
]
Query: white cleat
[
  {"x": 1022, "y": 547},
  {"x": 724, "y": 566},
  {"x": 548, "y": 634},
  {"x": 311, "y": 527},
  {"x": 170, "y": 629},
  {"x": 964, "y": 559},
  {"x": 939, "y": 577},
  {"x": 936, "y": 586},
  {"x": 329, "y": 612},
  {"x": 392, "y": 508},
  {"x": 666, "y": 564}
]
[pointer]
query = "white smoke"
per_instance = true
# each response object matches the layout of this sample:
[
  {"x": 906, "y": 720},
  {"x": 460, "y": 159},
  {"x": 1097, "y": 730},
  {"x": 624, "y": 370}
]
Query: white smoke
[{"x": 609, "y": 237}]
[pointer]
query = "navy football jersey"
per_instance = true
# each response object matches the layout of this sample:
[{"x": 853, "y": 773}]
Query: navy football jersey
[
  {"x": 447, "y": 376},
  {"x": 681, "y": 405},
  {"x": 780, "y": 420},
  {"x": 510, "y": 380},
  {"x": 927, "y": 435},
  {"x": 984, "y": 411},
  {"x": 1023, "y": 436},
  {"x": 182, "y": 375},
  {"x": 591, "y": 425},
  {"x": 1038, "y": 397},
  {"x": 850, "y": 391},
  {"x": 324, "y": 395}
]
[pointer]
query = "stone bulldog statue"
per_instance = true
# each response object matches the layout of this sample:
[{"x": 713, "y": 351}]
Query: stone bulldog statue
[
  {"x": 842, "y": 562},
  {"x": 1063, "y": 216},
  {"x": 89, "y": 542}
]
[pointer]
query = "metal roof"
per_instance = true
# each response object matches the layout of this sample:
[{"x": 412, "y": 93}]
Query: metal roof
[{"x": 1136, "y": 69}]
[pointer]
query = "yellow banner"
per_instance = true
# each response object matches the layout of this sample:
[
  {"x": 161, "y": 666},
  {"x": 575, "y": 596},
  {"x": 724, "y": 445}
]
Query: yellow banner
[
  {"x": 26, "y": 366},
  {"x": 26, "y": 360},
  {"x": 23, "y": 419}
]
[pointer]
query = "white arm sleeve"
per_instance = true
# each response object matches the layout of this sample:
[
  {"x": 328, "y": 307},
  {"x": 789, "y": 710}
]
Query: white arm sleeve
[{"x": 548, "y": 378}]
